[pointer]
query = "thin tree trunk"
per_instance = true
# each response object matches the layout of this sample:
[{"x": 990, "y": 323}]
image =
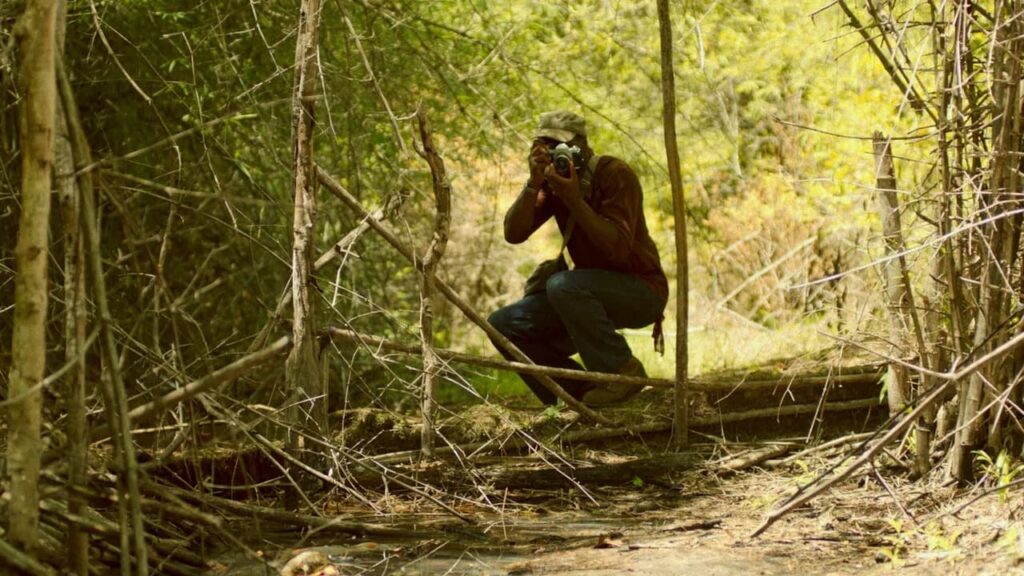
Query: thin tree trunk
[
  {"x": 442, "y": 221},
  {"x": 75, "y": 318},
  {"x": 35, "y": 33},
  {"x": 898, "y": 386},
  {"x": 1010, "y": 150},
  {"x": 998, "y": 240},
  {"x": 115, "y": 396},
  {"x": 668, "y": 94},
  {"x": 302, "y": 369},
  {"x": 903, "y": 314}
]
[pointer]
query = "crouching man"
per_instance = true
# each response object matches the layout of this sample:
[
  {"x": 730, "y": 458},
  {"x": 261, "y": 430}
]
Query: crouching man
[{"x": 616, "y": 280}]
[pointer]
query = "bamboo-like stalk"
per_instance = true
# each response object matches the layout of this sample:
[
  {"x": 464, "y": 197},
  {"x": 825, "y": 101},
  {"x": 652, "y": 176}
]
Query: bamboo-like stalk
[
  {"x": 903, "y": 313},
  {"x": 1010, "y": 149},
  {"x": 75, "y": 319},
  {"x": 35, "y": 34},
  {"x": 113, "y": 390},
  {"x": 999, "y": 241},
  {"x": 898, "y": 388},
  {"x": 75, "y": 316},
  {"x": 435, "y": 251},
  {"x": 668, "y": 96},
  {"x": 12, "y": 557},
  {"x": 302, "y": 373}
]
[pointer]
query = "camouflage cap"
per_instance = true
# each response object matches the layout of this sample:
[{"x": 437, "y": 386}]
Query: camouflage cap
[{"x": 561, "y": 125}]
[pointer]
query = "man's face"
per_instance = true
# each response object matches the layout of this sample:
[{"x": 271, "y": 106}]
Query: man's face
[{"x": 546, "y": 143}]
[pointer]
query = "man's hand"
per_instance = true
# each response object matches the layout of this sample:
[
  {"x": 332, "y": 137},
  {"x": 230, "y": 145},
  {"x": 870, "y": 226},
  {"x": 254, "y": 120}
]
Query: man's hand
[
  {"x": 540, "y": 159},
  {"x": 566, "y": 189}
]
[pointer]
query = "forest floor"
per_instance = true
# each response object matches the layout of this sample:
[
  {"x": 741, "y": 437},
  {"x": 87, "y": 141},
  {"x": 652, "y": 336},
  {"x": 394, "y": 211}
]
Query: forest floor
[
  {"x": 703, "y": 525},
  {"x": 705, "y": 528},
  {"x": 693, "y": 519}
]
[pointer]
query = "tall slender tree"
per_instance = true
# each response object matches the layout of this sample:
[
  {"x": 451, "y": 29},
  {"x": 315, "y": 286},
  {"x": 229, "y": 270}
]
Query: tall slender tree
[
  {"x": 303, "y": 377},
  {"x": 35, "y": 33},
  {"x": 668, "y": 94},
  {"x": 76, "y": 429}
]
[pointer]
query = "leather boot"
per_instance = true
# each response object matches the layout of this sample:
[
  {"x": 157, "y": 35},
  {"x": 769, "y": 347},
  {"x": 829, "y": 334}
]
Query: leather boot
[{"x": 605, "y": 394}]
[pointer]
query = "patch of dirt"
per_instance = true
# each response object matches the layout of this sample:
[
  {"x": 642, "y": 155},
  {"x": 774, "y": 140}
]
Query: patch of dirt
[
  {"x": 705, "y": 528},
  {"x": 694, "y": 520},
  {"x": 700, "y": 524}
]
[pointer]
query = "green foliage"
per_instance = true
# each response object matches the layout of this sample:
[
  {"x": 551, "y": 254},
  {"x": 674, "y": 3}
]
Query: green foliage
[
  {"x": 899, "y": 541},
  {"x": 939, "y": 540},
  {"x": 1003, "y": 470},
  {"x": 552, "y": 412},
  {"x": 1012, "y": 542},
  {"x": 199, "y": 240}
]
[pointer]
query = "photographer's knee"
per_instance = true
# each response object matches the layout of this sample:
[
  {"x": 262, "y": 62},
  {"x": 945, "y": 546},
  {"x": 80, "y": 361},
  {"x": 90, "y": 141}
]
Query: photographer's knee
[
  {"x": 560, "y": 286},
  {"x": 501, "y": 319}
]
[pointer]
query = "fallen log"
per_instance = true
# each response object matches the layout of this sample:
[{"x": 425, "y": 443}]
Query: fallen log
[
  {"x": 300, "y": 520},
  {"x": 648, "y": 470},
  {"x": 852, "y": 375},
  {"x": 597, "y": 434},
  {"x": 825, "y": 449},
  {"x": 752, "y": 458}
]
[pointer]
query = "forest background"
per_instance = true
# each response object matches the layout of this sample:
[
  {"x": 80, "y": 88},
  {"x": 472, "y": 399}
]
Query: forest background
[
  {"x": 198, "y": 233},
  {"x": 187, "y": 109}
]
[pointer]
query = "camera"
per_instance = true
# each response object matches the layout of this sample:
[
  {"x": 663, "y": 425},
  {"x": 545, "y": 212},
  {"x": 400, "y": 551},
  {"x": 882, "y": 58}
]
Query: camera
[{"x": 563, "y": 155}]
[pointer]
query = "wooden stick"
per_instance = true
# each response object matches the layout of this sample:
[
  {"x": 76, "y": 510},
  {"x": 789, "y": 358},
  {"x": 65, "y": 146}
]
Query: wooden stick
[
  {"x": 753, "y": 458},
  {"x": 701, "y": 385},
  {"x": 835, "y": 443},
  {"x": 297, "y": 519},
  {"x": 590, "y": 435},
  {"x": 75, "y": 317},
  {"x": 115, "y": 396},
  {"x": 306, "y": 396},
  {"x": 335, "y": 188},
  {"x": 668, "y": 97},
  {"x": 442, "y": 223},
  {"x": 895, "y": 290},
  {"x": 925, "y": 403},
  {"x": 24, "y": 563},
  {"x": 217, "y": 378}
]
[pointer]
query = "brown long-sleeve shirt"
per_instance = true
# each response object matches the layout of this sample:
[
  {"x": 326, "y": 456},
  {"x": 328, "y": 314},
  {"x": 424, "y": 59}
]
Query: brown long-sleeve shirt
[{"x": 617, "y": 197}]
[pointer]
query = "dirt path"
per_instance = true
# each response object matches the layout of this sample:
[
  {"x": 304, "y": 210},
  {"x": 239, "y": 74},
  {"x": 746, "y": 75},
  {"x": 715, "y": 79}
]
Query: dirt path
[
  {"x": 692, "y": 521},
  {"x": 863, "y": 531},
  {"x": 702, "y": 527}
]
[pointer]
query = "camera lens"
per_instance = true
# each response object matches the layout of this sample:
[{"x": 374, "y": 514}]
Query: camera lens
[{"x": 562, "y": 164}]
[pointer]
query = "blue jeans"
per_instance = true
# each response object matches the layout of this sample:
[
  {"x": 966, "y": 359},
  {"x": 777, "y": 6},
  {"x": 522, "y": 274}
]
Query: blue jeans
[{"x": 579, "y": 312}]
